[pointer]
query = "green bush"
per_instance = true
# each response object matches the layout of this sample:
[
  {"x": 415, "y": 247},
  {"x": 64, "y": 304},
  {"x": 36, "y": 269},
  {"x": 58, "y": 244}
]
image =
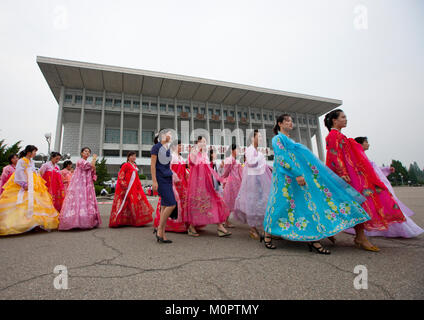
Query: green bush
[{"x": 142, "y": 177}]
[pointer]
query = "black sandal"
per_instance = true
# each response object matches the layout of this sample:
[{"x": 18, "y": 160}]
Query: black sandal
[
  {"x": 319, "y": 249},
  {"x": 268, "y": 244}
]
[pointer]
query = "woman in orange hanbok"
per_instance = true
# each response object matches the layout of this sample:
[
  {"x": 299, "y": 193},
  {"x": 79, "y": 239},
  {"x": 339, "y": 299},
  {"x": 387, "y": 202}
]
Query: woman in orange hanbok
[{"x": 25, "y": 202}]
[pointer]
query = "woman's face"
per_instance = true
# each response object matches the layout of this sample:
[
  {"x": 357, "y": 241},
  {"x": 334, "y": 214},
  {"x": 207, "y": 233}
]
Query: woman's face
[
  {"x": 85, "y": 153},
  {"x": 179, "y": 148},
  {"x": 69, "y": 167},
  {"x": 32, "y": 154},
  {"x": 14, "y": 160},
  {"x": 55, "y": 159},
  {"x": 341, "y": 121},
  {"x": 132, "y": 158},
  {"x": 287, "y": 124},
  {"x": 234, "y": 153},
  {"x": 257, "y": 138},
  {"x": 365, "y": 145}
]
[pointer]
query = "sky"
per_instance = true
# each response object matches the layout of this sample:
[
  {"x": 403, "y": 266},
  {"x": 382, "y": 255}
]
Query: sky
[{"x": 369, "y": 54}]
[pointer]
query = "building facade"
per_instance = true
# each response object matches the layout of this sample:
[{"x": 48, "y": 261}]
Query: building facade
[{"x": 114, "y": 110}]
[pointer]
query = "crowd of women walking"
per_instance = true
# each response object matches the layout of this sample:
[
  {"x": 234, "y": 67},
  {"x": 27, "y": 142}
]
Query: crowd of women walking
[{"x": 299, "y": 198}]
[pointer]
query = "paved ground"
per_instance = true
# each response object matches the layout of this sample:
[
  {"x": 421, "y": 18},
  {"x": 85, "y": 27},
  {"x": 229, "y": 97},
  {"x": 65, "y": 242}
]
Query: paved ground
[{"x": 127, "y": 263}]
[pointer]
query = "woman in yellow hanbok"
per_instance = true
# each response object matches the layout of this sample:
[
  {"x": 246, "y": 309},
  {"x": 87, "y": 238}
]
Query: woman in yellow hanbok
[{"x": 25, "y": 202}]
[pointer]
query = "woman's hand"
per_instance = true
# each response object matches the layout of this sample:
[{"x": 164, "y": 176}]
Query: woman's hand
[
  {"x": 300, "y": 181},
  {"x": 155, "y": 186},
  {"x": 346, "y": 178}
]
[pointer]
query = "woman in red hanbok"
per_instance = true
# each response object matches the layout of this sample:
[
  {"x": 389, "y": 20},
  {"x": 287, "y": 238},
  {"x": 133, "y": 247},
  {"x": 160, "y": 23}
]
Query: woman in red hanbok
[
  {"x": 66, "y": 173},
  {"x": 8, "y": 170},
  {"x": 50, "y": 172},
  {"x": 130, "y": 205},
  {"x": 180, "y": 186},
  {"x": 347, "y": 159},
  {"x": 204, "y": 205}
]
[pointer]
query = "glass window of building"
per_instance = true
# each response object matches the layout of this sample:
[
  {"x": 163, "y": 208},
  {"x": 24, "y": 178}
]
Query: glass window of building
[
  {"x": 245, "y": 115},
  {"x": 210, "y": 111},
  {"x": 232, "y": 114},
  {"x": 88, "y": 100},
  {"x": 202, "y": 110},
  {"x": 136, "y": 104},
  {"x": 225, "y": 113},
  {"x": 195, "y": 110},
  {"x": 108, "y": 102},
  {"x": 187, "y": 109},
  {"x": 145, "y": 106},
  {"x": 265, "y": 117},
  {"x": 180, "y": 108},
  {"x": 68, "y": 98},
  {"x": 170, "y": 107},
  {"x": 162, "y": 107},
  {"x": 239, "y": 115},
  {"x": 154, "y": 106},
  {"x": 130, "y": 137},
  {"x": 111, "y": 153},
  {"x": 258, "y": 116},
  {"x": 252, "y": 115},
  {"x": 78, "y": 99},
  {"x": 127, "y": 103},
  {"x": 117, "y": 102},
  {"x": 218, "y": 112},
  {"x": 147, "y": 137},
  {"x": 99, "y": 101},
  {"x": 112, "y": 135}
]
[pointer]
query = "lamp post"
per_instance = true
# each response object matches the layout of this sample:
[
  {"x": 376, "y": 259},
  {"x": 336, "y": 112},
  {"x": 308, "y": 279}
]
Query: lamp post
[
  {"x": 48, "y": 137},
  {"x": 401, "y": 178}
]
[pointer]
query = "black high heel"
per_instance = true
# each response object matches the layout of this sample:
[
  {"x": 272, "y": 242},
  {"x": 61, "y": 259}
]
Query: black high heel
[
  {"x": 161, "y": 239},
  {"x": 319, "y": 250},
  {"x": 155, "y": 231},
  {"x": 268, "y": 244}
]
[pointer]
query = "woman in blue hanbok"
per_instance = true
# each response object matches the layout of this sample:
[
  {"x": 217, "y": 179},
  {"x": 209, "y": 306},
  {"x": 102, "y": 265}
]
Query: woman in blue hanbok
[{"x": 307, "y": 202}]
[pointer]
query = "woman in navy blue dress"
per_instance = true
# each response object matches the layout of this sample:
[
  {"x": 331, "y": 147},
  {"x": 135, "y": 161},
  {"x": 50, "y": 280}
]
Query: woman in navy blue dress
[{"x": 162, "y": 181}]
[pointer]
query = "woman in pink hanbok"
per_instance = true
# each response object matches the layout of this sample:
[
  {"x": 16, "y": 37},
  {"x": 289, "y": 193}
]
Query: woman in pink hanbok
[
  {"x": 407, "y": 229},
  {"x": 8, "y": 170},
  {"x": 67, "y": 172},
  {"x": 80, "y": 208},
  {"x": 204, "y": 205},
  {"x": 252, "y": 199},
  {"x": 233, "y": 174}
]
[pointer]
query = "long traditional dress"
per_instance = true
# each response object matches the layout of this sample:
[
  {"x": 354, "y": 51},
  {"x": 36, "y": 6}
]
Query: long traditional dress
[
  {"x": 204, "y": 205},
  {"x": 347, "y": 158},
  {"x": 322, "y": 208},
  {"x": 407, "y": 229},
  {"x": 54, "y": 183},
  {"x": 130, "y": 205},
  {"x": 80, "y": 210},
  {"x": 66, "y": 177},
  {"x": 5, "y": 175},
  {"x": 233, "y": 173},
  {"x": 251, "y": 201},
  {"x": 180, "y": 187},
  {"x": 22, "y": 210}
]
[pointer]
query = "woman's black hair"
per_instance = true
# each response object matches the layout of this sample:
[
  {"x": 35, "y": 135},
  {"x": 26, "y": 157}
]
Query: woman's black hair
[
  {"x": 129, "y": 154},
  {"x": 66, "y": 164},
  {"x": 233, "y": 147},
  {"x": 211, "y": 152},
  {"x": 361, "y": 140},
  {"x": 329, "y": 117},
  {"x": 280, "y": 119},
  {"x": 28, "y": 148},
  {"x": 199, "y": 138},
  {"x": 54, "y": 154},
  {"x": 10, "y": 157},
  {"x": 82, "y": 150}
]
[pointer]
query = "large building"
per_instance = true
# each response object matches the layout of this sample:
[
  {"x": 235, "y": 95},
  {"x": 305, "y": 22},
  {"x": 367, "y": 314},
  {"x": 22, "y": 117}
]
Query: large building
[{"x": 114, "y": 110}]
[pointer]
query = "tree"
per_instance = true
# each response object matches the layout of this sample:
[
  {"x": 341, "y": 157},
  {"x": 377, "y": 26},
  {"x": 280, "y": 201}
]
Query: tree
[
  {"x": 416, "y": 175},
  {"x": 101, "y": 172},
  {"x": 400, "y": 176},
  {"x": 6, "y": 151}
]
